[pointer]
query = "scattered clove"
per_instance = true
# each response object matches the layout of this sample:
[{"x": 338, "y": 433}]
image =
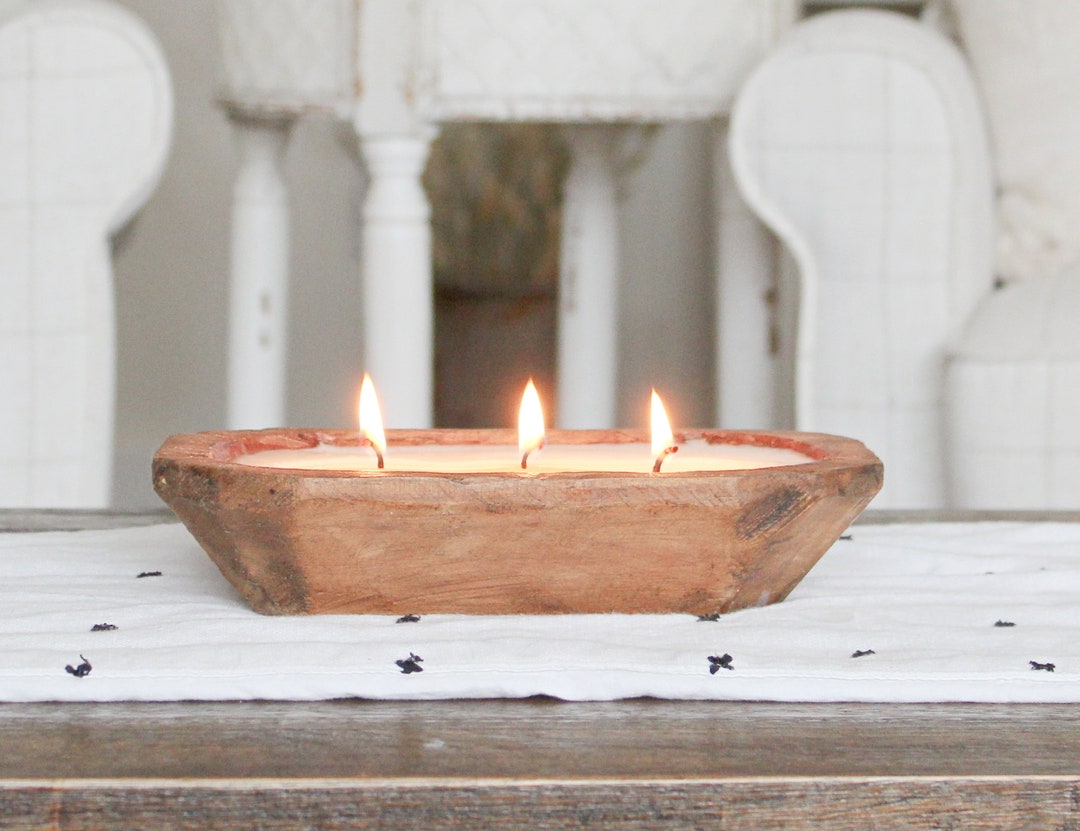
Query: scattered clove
[
  {"x": 410, "y": 664},
  {"x": 846, "y": 537},
  {"x": 1001, "y": 623},
  {"x": 709, "y": 618},
  {"x": 1036, "y": 665},
  {"x": 721, "y": 662},
  {"x": 408, "y": 619},
  {"x": 82, "y": 670},
  {"x": 148, "y": 574},
  {"x": 858, "y": 653},
  {"x": 103, "y": 627}
]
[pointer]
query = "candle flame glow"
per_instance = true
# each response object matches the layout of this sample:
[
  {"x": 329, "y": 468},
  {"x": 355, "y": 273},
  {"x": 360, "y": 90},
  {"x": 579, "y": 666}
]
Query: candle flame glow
[
  {"x": 530, "y": 422},
  {"x": 371, "y": 426},
  {"x": 663, "y": 440}
]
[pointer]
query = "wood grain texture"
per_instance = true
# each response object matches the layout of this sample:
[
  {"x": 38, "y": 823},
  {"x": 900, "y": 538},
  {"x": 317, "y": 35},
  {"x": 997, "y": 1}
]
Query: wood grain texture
[
  {"x": 539, "y": 764},
  {"x": 385, "y": 542},
  {"x": 762, "y": 805},
  {"x": 534, "y": 739}
]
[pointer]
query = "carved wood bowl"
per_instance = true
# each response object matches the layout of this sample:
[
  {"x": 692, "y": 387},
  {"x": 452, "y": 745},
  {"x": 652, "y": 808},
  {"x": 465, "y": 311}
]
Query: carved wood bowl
[{"x": 331, "y": 542}]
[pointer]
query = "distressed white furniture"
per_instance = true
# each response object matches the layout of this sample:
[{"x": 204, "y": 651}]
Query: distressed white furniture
[
  {"x": 398, "y": 70},
  {"x": 860, "y": 142},
  {"x": 1013, "y": 395},
  {"x": 85, "y": 124},
  {"x": 282, "y": 59}
]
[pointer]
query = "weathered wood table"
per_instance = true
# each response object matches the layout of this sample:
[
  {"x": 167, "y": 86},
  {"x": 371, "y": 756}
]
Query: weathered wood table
[{"x": 533, "y": 764}]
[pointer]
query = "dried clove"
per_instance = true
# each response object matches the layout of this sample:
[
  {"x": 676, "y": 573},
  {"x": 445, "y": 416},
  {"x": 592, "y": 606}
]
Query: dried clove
[
  {"x": 709, "y": 618},
  {"x": 103, "y": 627},
  {"x": 846, "y": 537},
  {"x": 82, "y": 670},
  {"x": 1000, "y": 623},
  {"x": 721, "y": 662},
  {"x": 858, "y": 653},
  {"x": 148, "y": 574},
  {"x": 1036, "y": 665},
  {"x": 410, "y": 664},
  {"x": 408, "y": 619}
]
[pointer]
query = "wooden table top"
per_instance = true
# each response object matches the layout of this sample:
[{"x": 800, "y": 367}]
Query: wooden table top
[{"x": 533, "y": 764}]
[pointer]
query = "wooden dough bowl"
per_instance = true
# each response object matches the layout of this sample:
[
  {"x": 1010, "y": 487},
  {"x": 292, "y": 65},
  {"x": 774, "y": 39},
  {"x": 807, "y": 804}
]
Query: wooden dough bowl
[{"x": 332, "y": 542}]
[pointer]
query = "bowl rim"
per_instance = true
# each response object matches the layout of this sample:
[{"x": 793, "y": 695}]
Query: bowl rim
[{"x": 219, "y": 449}]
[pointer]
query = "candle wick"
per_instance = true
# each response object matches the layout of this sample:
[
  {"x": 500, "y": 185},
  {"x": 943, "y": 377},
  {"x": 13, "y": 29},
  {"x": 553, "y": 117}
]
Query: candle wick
[
  {"x": 525, "y": 455},
  {"x": 366, "y": 442},
  {"x": 663, "y": 455}
]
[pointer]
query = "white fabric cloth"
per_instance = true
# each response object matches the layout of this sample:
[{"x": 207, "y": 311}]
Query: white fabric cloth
[{"x": 924, "y": 598}]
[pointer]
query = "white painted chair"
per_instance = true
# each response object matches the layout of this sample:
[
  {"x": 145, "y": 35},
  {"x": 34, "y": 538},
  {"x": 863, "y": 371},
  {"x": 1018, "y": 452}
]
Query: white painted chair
[
  {"x": 397, "y": 71},
  {"x": 860, "y": 142},
  {"x": 85, "y": 124}
]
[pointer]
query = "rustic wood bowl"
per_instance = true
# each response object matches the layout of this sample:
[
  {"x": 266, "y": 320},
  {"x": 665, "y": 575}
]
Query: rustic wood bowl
[{"x": 332, "y": 542}]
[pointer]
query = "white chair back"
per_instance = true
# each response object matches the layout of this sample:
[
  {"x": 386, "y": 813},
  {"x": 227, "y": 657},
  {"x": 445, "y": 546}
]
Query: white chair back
[
  {"x": 85, "y": 124},
  {"x": 859, "y": 141}
]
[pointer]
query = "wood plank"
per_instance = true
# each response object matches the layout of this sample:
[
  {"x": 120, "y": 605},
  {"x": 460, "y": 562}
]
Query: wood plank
[
  {"x": 14, "y": 520},
  {"x": 534, "y": 739},
  {"x": 538, "y": 764},
  {"x": 21, "y": 520},
  {"x": 737, "y": 805},
  {"x": 893, "y": 516}
]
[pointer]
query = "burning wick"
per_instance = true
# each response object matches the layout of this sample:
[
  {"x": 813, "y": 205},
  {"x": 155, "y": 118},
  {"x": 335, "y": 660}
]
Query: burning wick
[
  {"x": 663, "y": 440},
  {"x": 663, "y": 455},
  {"x": 525, "y": 455},
  {"x": 530, "y": 424},
  {"x": 366, "y": 442},
  {"x": 371, "y": 427}
]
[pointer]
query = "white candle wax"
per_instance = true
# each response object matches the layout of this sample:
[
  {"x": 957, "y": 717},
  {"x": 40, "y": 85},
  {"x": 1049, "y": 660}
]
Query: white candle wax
[{"x": 696, "y": 455}]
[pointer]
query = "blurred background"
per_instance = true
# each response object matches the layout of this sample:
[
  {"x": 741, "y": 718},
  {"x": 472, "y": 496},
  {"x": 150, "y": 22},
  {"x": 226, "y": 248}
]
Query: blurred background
[
  {"x": 853, "y": 217},
  {"x": 495, "y": 192}
]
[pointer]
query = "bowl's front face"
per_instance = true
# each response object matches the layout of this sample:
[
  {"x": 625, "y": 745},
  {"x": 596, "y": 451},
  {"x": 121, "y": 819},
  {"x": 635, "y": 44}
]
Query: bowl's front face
[{"x": 297, "y": 542}]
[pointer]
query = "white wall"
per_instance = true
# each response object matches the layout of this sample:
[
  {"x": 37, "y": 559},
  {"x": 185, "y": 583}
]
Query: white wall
[{"x": 172, "y": 266}]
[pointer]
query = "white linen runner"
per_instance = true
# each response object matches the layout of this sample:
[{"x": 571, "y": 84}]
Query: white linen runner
[{"x": 946, "y": 612}]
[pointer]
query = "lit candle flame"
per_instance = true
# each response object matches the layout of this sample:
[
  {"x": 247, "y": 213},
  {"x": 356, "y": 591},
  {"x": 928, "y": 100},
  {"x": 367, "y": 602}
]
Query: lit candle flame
[
  {"x": 530, "y": 423},
  {"x": 663, "y": 440},
  {"x": 371, "y": 427}
]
